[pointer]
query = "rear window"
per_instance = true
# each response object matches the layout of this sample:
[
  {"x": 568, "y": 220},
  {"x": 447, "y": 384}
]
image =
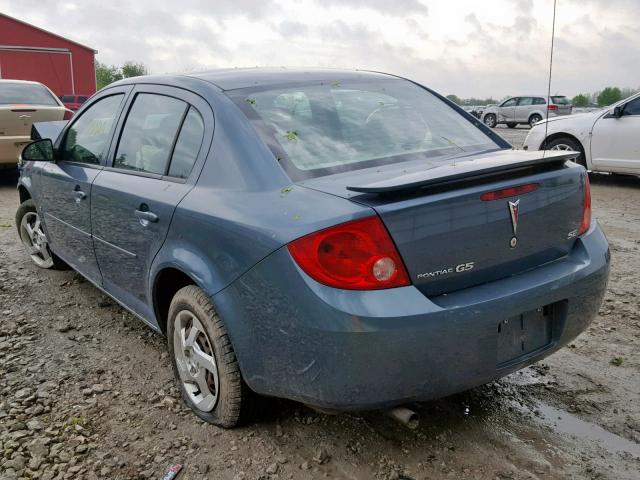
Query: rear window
[
  {"x": 560, "y": 100},
  {"x": 317, "y": 129},
  {"x": 26, "y": 94},
  {"x": 68, "y": 99}
]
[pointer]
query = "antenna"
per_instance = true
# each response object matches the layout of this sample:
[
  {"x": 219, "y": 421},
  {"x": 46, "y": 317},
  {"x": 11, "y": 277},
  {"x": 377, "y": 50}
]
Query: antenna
[{"x": 553, "y": 35}]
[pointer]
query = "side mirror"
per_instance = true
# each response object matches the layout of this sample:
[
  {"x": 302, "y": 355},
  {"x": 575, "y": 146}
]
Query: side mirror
[
  {"x": 618, "y": 111},
  {"x": 38, "y": 151}
]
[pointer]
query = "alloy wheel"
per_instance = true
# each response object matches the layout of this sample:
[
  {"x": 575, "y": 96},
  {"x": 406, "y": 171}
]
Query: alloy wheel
[
  {"x": 195, "y": 361},
  {"x": 35, "y": 241}
]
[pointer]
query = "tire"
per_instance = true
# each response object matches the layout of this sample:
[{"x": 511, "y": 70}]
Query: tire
[
  {"x": 567, "y": 143},
  {"x": 490, "y": 120},
  {"x": 533, "y": 119},
  {"x": 204, "y": 363},
  {"x": 512, "y": 125},
  {"x": 34, "y": 239}
]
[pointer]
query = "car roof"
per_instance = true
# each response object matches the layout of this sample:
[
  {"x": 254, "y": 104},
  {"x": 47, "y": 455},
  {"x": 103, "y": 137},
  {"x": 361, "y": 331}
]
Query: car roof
[
  {"x": 237, "y": 78},
  {"x": 28, "y": 82}
]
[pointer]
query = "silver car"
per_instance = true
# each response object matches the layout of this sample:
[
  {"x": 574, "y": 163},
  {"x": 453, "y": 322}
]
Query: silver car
[{"x": 529, "y": 109}]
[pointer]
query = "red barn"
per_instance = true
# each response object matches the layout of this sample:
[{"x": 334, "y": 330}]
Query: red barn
[{"x": 30, "y": 53}]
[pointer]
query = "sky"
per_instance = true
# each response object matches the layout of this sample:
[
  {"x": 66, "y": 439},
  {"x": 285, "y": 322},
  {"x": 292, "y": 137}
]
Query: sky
[{"x": 476, "y": 48}]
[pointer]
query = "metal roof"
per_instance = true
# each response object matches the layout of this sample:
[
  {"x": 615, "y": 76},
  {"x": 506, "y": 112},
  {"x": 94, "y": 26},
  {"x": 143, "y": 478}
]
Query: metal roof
[{"x": 236, "y": 78}]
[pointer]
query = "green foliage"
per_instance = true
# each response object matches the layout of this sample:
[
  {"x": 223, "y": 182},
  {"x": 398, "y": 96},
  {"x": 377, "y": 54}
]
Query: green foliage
[
  {"x": 291, "y": 136},
  {"x": 107, "y": 74},
  {"x": 131, "y": 69},
  {"x": 454, "y": 98},
  {"x": 581, "y": 100},
  {"x": 617, "y": 361},
  {"x": 609, "y": 95}
]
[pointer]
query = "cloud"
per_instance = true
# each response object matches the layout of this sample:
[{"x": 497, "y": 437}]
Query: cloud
[
  {"x": 465, "y": 47},
  {"x": 393, "y": 8}
]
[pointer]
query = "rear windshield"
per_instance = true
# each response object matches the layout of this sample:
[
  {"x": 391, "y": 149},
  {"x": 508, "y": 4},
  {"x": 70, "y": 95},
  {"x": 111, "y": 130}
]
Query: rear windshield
[
  {"x": 68, "y": 98},
  {"x": 560, "y": 100},
  {"x": 317, "y": 129},
  {"x": 25, "y": 93}
]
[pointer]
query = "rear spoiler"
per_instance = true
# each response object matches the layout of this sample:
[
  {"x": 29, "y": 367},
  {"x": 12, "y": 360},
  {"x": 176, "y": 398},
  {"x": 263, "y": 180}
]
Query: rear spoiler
[
  {"x": 50, "y": 130},
  {"x": 468, "y": 170}
]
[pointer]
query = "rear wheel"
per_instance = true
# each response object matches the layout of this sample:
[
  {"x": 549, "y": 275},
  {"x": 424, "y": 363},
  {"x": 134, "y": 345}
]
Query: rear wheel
[
  {"x": 34, "y": 239},
  {"x": 204, "y": 361},
  {"x": 512, "y": 125},
  {"x": 490, "y": 120},
  {"x": 566, "y": 144},
  {"x": 533, "y": 119}
]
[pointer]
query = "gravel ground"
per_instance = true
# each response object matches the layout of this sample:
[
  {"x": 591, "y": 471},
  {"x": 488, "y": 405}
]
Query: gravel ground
[{"x": 86, "y": 392}]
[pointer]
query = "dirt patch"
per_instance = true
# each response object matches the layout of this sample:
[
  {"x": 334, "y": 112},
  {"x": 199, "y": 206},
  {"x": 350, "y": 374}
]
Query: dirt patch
[{"x": 86, "y": 392}]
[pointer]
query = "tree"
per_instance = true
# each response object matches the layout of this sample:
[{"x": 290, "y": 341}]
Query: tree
[
  {"x": 454, "y": 98},
  {"x": 106, "y": 74},
  {"x": 131, "y": 69},
  {"x": 609, "y": 95},
  {"x": 581, "y": 100}
]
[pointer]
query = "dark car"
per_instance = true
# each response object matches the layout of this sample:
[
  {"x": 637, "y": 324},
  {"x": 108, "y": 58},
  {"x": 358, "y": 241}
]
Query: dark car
[
  {"x": 73, "y": 102},
  {"x": 349, "y": 240}
]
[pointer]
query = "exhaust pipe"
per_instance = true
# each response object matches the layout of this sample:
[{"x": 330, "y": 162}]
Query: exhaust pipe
[{"x": 403, "y": 415}]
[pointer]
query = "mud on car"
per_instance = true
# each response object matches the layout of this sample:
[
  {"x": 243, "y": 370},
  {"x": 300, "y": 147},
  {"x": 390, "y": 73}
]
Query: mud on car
[{"x": 289, "y": 229}]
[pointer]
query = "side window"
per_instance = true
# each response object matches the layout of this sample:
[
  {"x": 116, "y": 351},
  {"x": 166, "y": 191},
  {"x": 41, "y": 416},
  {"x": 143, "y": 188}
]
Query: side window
[
  {"x": 633, "y": 107},
  {"x": 187, "y": 145},
  {"x": 88, "y": 137},
  {"x": 525, "y": 101},
  {"x": 149, "y": 132},
  {"x": 539, "y": 101},
  {"x": 509, "y": 103}
]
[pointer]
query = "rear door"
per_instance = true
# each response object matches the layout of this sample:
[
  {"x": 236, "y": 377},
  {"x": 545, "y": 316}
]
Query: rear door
[
  {"x": 615, "y": 142},
  {"x": 523, "y": 109},
  {"x": 506, "y": 110},
  {"x": 66, "y": 184},
  {"x": 154, "y": 160}
]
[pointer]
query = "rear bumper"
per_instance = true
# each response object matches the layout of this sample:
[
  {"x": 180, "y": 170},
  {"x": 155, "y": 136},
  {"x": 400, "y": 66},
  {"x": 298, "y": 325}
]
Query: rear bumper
[
  {"x": 297, "y": 339},
  {"x": 11, "y": 148}
]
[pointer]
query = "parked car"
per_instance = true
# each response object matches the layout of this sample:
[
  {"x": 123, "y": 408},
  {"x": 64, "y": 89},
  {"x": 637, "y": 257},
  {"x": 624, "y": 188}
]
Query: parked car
[
  {"x": 21, "y": 104},
  {"x": 527, "y": 109},
  {"x": 73, "y": 102},
  {"x": 607, "y": 139},
  {"x": 289, "y": 229}
]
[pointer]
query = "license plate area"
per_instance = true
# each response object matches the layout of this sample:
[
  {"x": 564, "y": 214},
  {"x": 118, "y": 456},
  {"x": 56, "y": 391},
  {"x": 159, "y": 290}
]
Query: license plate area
[{"x": 522, "y": 335}]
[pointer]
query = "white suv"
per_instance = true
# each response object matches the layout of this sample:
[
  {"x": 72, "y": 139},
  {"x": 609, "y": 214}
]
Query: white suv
[{"x": 528, "y": 109}]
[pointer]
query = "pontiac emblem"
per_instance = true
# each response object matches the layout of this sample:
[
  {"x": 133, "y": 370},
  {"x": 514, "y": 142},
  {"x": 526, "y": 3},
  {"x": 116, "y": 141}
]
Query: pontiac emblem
[{"x": 513, "y": 211}]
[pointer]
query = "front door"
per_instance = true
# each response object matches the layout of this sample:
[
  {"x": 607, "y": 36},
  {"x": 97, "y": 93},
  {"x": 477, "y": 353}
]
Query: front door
[
  {"x": 133, "y": 200},
  {"x": 615, "y": 142},
  {"x": 66, "y": 184},
  {"x": 506, "y": 110}
]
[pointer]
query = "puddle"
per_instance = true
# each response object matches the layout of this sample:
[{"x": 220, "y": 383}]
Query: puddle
[{"x": 565, "y": 423}]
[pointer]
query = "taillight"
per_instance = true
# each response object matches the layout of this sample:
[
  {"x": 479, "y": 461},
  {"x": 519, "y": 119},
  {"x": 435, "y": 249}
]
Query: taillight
[
  {"x": 509, "y": 192},
  {"x": 552, "y": 107},
  {"x": 586, "y": 207},
  {"x": 357, "y": 255}
]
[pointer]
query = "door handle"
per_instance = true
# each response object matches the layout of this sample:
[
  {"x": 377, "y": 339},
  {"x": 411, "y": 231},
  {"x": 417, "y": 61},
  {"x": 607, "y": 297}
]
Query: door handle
[
  {"x": 79, "y": 195},
  {"x": 146, "y": 216}
]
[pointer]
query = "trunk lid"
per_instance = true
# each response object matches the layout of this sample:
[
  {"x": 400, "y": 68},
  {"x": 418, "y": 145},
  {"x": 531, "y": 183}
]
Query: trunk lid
[
  {"x": 16, "y": 120},
  {"x": 449, "y": 238}
]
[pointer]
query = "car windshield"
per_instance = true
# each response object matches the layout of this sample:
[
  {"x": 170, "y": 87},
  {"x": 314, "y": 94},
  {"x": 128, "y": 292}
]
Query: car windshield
[
  {"x": 26, "y": 94},
  {"x": 317, "y": 129},
  {"x": 560, "y": 100}
]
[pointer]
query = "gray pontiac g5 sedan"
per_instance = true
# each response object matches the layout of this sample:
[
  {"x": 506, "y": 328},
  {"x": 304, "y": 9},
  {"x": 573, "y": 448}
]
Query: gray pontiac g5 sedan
[{"x": 350, "y": 240}]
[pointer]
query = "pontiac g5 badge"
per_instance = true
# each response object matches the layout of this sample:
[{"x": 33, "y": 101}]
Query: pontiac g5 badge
[{"x": 513, "y": 210}]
